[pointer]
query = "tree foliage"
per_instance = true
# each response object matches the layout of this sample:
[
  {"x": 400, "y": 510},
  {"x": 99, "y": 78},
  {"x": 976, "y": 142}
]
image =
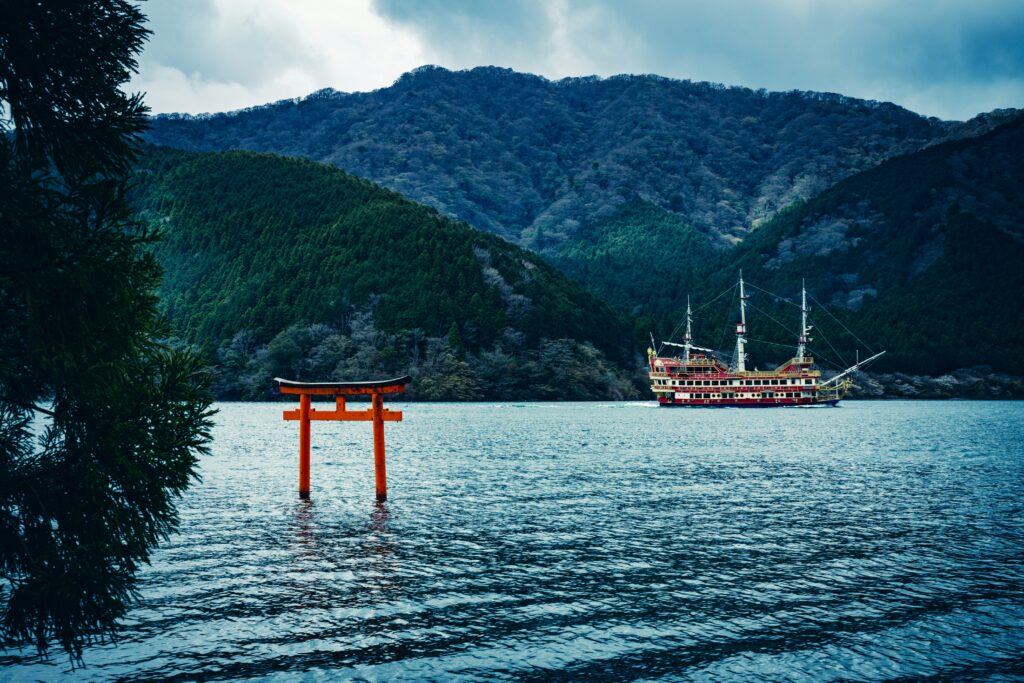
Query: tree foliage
[
  {"x": 100, "y": 421},
  {"x": 257, "y": 245}
]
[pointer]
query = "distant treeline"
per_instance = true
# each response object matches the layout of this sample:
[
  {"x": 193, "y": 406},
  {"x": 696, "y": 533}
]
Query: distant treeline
[{"x": 441, "y": 367}]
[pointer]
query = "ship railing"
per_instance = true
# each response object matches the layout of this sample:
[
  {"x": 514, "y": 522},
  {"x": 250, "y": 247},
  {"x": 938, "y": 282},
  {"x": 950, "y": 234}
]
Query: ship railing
[
  {"x": 700, "y": 363},
  {"x": 750, "y": 375},
  {"x": 793, "y": 361}
]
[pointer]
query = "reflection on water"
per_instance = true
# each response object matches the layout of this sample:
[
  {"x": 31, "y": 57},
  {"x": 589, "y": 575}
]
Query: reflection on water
[{"x": 876, "y": 541}]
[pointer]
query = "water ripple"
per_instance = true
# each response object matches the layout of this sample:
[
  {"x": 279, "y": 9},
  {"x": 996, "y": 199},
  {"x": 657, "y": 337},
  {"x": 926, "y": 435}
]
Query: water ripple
[{"x": 879, "y": 541}]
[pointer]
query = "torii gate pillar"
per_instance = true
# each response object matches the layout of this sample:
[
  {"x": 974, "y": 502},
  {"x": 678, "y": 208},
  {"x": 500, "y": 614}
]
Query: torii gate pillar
[{"x": 377, "y": 414}]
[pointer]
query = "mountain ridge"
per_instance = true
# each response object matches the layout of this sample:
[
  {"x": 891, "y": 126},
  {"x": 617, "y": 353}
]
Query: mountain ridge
[
  {"x": 532, "y": 160},
  {"x": 330, "y": 92}
]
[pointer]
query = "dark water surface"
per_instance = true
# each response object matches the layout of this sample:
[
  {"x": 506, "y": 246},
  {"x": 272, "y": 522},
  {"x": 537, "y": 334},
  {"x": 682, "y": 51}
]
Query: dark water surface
[{"x": 875, "y": 541}]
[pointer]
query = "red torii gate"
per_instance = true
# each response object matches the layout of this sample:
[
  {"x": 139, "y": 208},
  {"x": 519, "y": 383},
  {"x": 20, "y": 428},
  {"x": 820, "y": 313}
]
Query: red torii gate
[{"x": 376, "y": 413}]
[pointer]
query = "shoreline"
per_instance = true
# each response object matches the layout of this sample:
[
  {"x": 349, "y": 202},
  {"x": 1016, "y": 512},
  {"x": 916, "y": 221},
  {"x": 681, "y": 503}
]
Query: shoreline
[{"x": 977, "y": 384}]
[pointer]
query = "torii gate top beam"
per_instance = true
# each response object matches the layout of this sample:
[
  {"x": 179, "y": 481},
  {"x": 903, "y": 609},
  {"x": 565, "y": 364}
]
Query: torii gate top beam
[
  {"x": 339, "y": 390},
  {"x": 383, "y": 386}
]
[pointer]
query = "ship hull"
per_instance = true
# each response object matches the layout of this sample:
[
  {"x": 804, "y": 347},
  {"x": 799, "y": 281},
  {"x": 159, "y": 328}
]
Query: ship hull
[{"x": 736, "y": 404}]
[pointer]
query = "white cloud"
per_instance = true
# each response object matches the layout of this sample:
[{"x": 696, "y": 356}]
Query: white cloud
[
  {"x": 938, "y": 57},
  {"x": 229, "y": 54}
]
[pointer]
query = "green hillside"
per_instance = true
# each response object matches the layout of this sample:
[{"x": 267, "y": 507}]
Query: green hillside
[
  {"x": 284, "y": 265},
  {"x": 641, "y": 258},
  {"x": 922, "y": 255}
]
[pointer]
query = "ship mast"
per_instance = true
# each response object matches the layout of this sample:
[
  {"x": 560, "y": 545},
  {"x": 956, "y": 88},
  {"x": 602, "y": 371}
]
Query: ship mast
[
  {"x": 688, "y": 339},
  {"x": 805, "y": 330},
  {"x": 741, "y": 331}
]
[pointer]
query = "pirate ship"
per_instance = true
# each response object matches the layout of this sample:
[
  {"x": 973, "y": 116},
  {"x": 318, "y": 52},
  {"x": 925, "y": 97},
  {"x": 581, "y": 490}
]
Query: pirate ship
[{"x": 701, "y": 377}]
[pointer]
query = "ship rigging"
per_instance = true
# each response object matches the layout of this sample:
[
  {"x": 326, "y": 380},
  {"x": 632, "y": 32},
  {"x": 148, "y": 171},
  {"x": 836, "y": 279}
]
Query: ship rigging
[{"x": 701, "y": 376}]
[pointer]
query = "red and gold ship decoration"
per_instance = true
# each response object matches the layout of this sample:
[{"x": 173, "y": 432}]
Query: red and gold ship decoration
[{"x": 697, "y": 377}]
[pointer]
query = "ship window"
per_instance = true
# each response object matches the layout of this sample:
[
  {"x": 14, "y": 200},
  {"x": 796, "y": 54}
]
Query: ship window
[{"x": 807, "y": 381}]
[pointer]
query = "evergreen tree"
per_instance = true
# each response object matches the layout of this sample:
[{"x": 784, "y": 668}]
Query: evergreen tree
[{"x": 101, "y": 422}]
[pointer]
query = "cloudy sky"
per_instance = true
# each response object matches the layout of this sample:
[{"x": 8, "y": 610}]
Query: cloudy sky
[{"x": 946, "y": 58}]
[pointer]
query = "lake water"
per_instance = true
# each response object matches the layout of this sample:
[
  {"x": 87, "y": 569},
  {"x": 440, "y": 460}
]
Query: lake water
[{"x": 874, "y": 541}]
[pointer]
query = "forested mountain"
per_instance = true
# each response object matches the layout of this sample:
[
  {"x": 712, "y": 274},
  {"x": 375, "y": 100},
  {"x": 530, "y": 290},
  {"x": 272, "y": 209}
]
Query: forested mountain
[
  {"x": 285, "y": 266},
  {"x": 532, "y": 160},
  {"x": 634, "y": 186},
  {"x": 922, "y": 255}
]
